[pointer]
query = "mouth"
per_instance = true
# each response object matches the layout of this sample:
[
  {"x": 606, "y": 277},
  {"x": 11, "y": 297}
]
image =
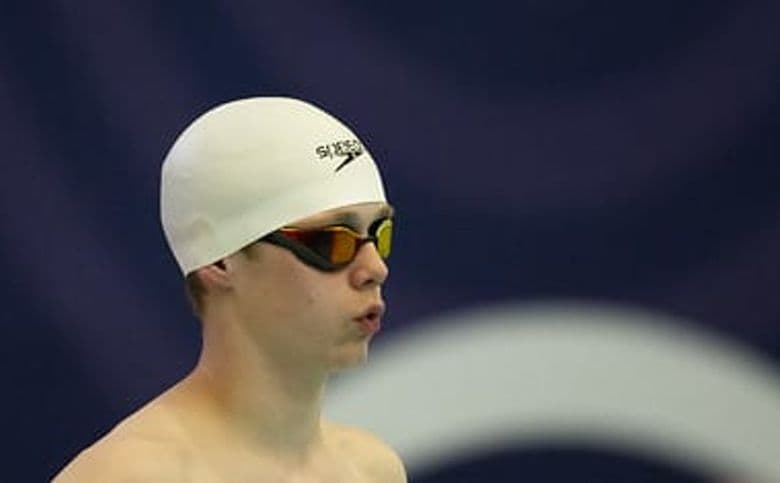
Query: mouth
[{"x": 370, "y": 321}]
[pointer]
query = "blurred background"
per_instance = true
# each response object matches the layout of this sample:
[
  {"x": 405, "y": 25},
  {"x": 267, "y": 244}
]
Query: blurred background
[{"x": 598, "y": 177}]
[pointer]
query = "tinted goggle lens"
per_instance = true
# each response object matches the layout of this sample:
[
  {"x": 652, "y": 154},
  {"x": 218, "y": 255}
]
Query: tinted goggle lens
[{"x": 336, "y": 246}]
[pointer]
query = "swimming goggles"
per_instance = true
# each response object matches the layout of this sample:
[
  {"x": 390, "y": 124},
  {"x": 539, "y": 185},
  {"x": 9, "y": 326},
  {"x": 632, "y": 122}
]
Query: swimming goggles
[{"x": 333, "y": 247}]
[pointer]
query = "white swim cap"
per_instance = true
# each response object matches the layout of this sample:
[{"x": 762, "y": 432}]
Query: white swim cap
[{"x": 248, "y": 167}]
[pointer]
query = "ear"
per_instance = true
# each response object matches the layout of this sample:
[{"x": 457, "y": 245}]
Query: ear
[{"x": 216, "y": 275}]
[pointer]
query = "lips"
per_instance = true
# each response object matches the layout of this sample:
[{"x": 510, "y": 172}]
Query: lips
[{"x": 370, "y": 320}]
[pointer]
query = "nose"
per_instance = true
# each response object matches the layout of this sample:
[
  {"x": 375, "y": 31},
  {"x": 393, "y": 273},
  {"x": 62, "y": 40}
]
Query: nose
[{"x": 368, "y": 269}]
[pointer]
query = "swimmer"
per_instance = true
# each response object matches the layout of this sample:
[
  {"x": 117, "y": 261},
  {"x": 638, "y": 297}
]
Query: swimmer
[{"x": 277, "y": 216}]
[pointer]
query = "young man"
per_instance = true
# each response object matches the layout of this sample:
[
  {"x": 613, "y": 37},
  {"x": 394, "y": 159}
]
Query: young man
[{"x": 277, "y": 216}]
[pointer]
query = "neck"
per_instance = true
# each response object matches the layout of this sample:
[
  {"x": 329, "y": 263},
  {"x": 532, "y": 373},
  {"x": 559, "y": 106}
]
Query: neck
[{"x": 265, "y": 398}]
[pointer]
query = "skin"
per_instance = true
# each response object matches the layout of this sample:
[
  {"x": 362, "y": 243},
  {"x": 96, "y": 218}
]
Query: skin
[{"x": 274, "y": 329}]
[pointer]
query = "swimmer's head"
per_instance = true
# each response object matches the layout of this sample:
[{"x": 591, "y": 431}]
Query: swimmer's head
[{"x": 246, "y": 168}]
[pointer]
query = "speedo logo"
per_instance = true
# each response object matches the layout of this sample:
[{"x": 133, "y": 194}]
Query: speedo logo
[{"x": 348, "y": 149}]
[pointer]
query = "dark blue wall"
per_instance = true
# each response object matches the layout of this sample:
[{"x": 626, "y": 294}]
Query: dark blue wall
[{"x": 619, "y": 152}]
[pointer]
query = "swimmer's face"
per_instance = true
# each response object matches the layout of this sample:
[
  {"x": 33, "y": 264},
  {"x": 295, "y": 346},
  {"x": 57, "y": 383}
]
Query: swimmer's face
[{"x": 302, "y": 314}]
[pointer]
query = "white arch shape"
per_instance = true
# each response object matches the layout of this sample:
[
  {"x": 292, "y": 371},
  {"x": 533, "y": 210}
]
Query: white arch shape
[{"x": 567, "y": 372}]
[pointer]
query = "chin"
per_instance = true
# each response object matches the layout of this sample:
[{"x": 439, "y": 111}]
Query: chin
[{"x": 348, "y": 357}]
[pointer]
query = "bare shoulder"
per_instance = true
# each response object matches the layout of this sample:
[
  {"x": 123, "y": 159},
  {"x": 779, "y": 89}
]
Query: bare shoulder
[
  {"x": 375, "y": 458},
  {"x": 132, "y": 459},
  {"x": 141, "y": 448}
]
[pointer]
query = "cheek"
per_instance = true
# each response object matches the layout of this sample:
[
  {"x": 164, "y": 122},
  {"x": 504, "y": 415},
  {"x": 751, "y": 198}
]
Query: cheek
[
  {"x": 296, "y": 292},
  {"x": 322, "y": 311},
  {"x": 287, "y": 290},
  {"x": 318, "y": 299}
]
